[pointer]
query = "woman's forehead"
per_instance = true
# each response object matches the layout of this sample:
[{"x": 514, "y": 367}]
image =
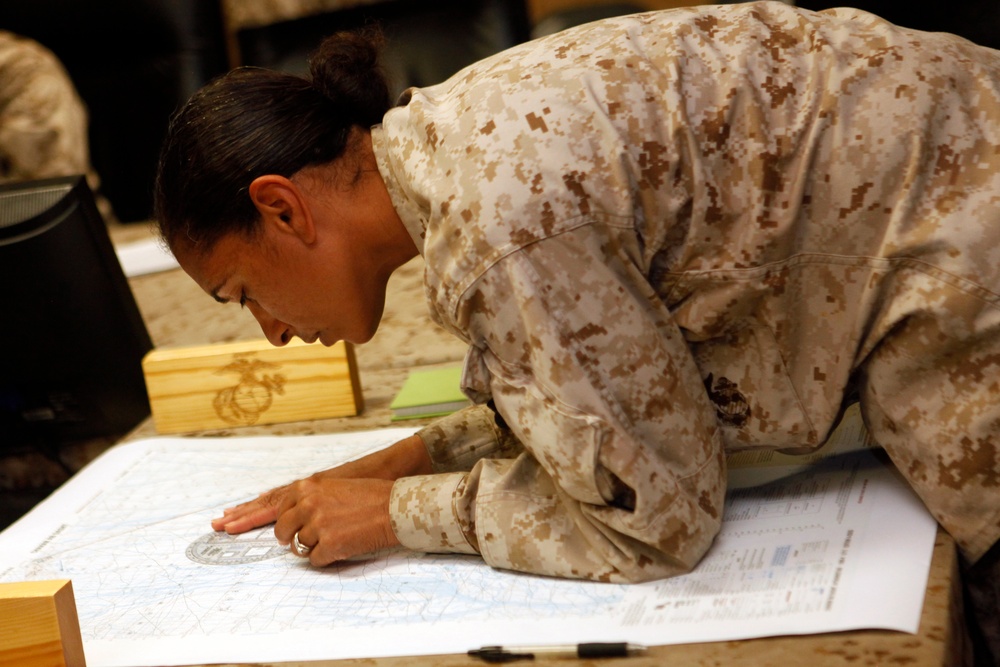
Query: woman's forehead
[{"x": 211, "y": 265}]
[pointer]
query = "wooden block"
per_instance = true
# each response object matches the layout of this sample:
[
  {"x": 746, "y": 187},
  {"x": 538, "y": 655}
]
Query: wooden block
[
  {"x": 39, "y": 626},
  {"x": 253, "y": 382}
]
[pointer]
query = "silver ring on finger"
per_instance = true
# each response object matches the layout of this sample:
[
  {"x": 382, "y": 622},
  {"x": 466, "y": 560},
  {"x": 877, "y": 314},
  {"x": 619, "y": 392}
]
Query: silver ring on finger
[{"x": 299, "y": 548}]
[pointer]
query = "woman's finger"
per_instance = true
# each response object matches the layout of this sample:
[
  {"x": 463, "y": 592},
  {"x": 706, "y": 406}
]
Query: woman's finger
[
  {"x": 261, "y": 516},
  {"x": 302, "y": 545},
  {"x": 252, "y": 514}
]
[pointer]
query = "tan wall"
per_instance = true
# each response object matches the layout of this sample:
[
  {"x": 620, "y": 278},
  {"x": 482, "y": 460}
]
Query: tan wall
[{"x": 541, "y": 8}]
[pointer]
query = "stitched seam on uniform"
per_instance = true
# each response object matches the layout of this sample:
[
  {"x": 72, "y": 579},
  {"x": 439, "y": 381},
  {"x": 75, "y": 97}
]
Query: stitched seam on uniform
[
  {"x": 806, "y": 416},
  {"x": 624, "y": 523},
  {"x": 964, "y": 285},
  {"x": 669, "y": 510},
  {"x": 456, "y": 493},
  {"x": 572, "y": 223}
]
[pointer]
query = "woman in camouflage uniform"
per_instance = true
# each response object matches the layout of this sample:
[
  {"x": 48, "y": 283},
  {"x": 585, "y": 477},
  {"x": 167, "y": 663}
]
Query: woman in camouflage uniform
[{"x": 665, "y": 237}]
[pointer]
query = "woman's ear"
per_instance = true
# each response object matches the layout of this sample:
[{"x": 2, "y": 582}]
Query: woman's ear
[{"x": 282, "y": 206}]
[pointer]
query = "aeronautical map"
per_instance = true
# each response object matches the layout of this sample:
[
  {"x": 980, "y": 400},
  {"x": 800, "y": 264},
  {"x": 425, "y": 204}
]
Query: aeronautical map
[{"x": 155, "y": 585}]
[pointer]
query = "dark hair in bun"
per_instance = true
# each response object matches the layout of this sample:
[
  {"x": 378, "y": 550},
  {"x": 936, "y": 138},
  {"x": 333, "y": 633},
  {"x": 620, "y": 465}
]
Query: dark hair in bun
[{"x": 252, "y": 121}]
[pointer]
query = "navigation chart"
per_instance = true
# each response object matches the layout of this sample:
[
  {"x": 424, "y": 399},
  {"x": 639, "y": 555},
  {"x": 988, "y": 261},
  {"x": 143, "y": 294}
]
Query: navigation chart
[{"x": 132, "y": 532}]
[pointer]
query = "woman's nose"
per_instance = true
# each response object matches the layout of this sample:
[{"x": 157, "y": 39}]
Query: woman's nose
[{"x": 277, "y": 332}]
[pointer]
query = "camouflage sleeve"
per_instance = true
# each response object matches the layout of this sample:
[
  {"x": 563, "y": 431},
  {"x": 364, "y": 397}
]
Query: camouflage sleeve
[
  {"x": 458, "y": 441},
  {"x": 424, "y": 516},
  {"x": 617, "y": 483}
]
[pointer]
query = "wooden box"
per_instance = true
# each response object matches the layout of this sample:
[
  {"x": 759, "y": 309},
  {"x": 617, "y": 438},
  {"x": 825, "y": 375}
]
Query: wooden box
[
  {"x": 253, "y": 382},
  {"x": 39, "y": 625}
]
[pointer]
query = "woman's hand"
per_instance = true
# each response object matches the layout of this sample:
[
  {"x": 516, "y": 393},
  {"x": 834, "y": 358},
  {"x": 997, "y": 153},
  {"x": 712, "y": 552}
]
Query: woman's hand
[
  {"x": 406, "y": 457},
  {"x": 336, "y": 518}
]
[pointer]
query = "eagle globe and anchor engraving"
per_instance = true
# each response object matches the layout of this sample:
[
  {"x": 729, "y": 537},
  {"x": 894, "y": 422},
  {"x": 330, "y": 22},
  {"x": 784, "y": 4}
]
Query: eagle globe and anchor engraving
[{"x": 243, "y": 403}]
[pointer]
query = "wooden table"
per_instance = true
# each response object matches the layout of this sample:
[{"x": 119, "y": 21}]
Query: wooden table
[{"x": 177, "y": 312}]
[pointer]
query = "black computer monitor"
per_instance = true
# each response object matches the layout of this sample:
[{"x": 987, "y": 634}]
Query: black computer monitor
[{"x": 71, "y": 336}]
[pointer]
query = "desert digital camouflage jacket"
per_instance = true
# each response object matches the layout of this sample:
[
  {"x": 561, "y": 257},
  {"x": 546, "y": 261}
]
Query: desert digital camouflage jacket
[
  {"x": 678, "y": 234},
  {"x": 43, "y": 122}
]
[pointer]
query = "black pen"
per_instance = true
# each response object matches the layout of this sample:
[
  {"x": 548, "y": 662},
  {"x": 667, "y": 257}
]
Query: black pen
[{"x": 585, "y": 650}]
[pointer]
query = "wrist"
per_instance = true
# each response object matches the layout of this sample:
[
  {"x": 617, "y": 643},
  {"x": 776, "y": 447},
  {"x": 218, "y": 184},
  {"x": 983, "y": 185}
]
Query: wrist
[{"x": 409, "y": 457}]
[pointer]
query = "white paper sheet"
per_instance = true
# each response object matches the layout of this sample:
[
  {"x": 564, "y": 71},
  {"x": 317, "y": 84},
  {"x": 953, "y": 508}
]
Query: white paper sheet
[
  {"x": 147, "y": 256},
  {"x": 845, "y": 545}
]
